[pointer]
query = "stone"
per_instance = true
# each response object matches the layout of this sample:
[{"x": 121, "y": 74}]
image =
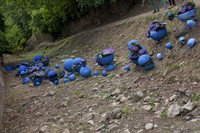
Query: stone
[
  {"x": 115, "y": 112},
  {"x": 194, "y": 83},
  {"x": 148, "y": 126},
  {"x": 66, "y": 131},
  {"x": 61, "y": 121},
  {"x": 118, "y": 116},
  {"x": 64, "y": 104},
  {"x": 182, "y": 89},
  {"x": 174, "y": 96},
  {"x": 166, "y": 102},
  {"x": 155, "y": 126},
  {"x": 101, "y": 127},
  {"x": 115, "y": 104},
  {"x": 38, "y": 114},
  {"x": 50, "y": 93},
  {"x": 147, "y": 99},
  {"x": 188, "y": 93},
  {"x": 112, "y": 127},
  {"x": 95, "y": 89},
  {"x": 147, "y": 107},
  {"x": 43, "y": 129},
  {"x": 140, "y": 131},
  {"x": 173, "y": 110},
  {"x": 189, "y": 106},
  {"x": 140, "y": 94},
  {"x": 196, "y": 112},
  {"x": 126, "y": 131},
  {"x": 116, "y": 92},
  {"x": 194, "y": 120},
  {"x": 91, "y": 122},
  {"x": 157, "y": 107}
]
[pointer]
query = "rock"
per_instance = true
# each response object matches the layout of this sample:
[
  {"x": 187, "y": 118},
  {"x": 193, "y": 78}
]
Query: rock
[
  {"x": 38, "y": 114},
  {"x": 61, "y": 121},
  {"x": 140, "y": 94},
  {"x": 189, "y": 106},
  {"x": 64, "y": 104},
  {"x": 140, "y": 131},
  {"x": 95, "y": 89},
  {"x": 166, "y": 102},
  {"x": 194, "y": 120},
  {"x": 112, "y": 127},
  {"x": 115, "y": 103},
  {"x": 121, "y": 98},
  {"x": 66, "y": 131},
  {"x": 174, "y": 110},
  {"x": 81, "y": 96},
  {"x": 91, "y": 122},
  {"x": 157, "y": 107},
  {"x": 50, "y": 93},
  {"x": 101, "y": 127},
  {"x": 115, "y": 112},
  {"x": 196, "y": 112},
  {"x": 188, "y": 93},
  {"x": 182, "y": 89},
  {"x": 118, "y": 116},
  {"x": 116, "y": 92},
  {"x": 194, "y": 83},
  {"x": 126, "y": 131},
  {"x": 106, "y": 96},
  {"x": 174, "y": 96},
  {"x": 147, "y": 107},
  {"x": 149, "y": 126},
  {"x": 147, "y": 99},
  {"x": 43, "y": 129},
  {"x": 155, "y": 126}
]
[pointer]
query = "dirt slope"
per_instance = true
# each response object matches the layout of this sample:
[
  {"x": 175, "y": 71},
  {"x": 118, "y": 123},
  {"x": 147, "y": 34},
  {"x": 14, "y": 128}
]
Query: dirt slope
[{"x": 121, "y": 102}]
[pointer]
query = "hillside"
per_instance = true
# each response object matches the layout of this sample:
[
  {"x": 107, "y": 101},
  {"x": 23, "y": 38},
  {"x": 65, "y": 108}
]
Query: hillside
[{"x": 124, "y": 101}]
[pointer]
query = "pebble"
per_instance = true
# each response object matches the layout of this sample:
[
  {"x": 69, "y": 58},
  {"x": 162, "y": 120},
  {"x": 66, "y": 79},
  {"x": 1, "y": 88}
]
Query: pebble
[
  {"x": 188, "y": 93},
  {"x": 50, "y": 93},
  {"x": 140, "y": 94},
  {"x": 149, "y": 126},
  {"x": 64, "y": 104},
  {"x": 126, "y": 131},
  {"x": 66, "y": 131},
  {"x": 188, "y": 106},
  {"x": 182, "y": 89},
  {"x": 101, "y": 127},
  {"x": 147, "y": 107},
  {"x": 112, "y": 127},
  {"x": 173, "y": 110},
  {"x": 91, "y": 122}
]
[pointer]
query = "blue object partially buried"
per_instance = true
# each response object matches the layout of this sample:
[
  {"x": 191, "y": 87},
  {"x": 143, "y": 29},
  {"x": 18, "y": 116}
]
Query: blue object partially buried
[
  {"x": 9, "y": 69},
  {"x": 104, "y": 73},
  {"x": 25, "y": 80},
  {"x": 110, "y": 67},
  {"x": 182, "y": 40},
  {"x": 158, "y": 35},
  {"x": 146, "y": 62},
  {"x": 106, "y": 60},
  {"x": 85, "y": 71},
  {"x": 169, "y": 46},
  {"x": 191, "y": 42},
  {"x": 68, "y": 65},
  {"x": 187, "y": 15}
]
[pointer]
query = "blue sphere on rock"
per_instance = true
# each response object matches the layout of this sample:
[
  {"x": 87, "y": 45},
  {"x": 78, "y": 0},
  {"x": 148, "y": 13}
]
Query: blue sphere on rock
[
  {"x": 85, "y": 71},
  {"x": 68, "y": 65},
  {"x": 104, "y": 73},
  {"x": 159, "y": 56},
  {"x": 169, "y": 46},
  {"x": 127, "y": 68},
  {"x": 72, "y": 77}
]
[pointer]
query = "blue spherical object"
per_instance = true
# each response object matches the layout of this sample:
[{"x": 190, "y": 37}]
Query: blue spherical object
[
  {"x": 22, "y": 68},
  {"x": 52, "y": 76},
  {"x": 132, "y": 41},
  {"x": 37, "y": 80},
  {"x": 170, "y": 16},
  {"x": 187, "y": 15},
  {"x": 191, "y": 42},
  {"x": 158, "y": 35},
  {"x": 106, "y": 60},
  {"x": 37, "y": 83},
  {"x": 146, "y": 62},
  {"x": 159, "y": 56},
  {"x": 182, "y": 40},
  {"x": 69, "y": 74},
  {"x": 57, "y": 66},
  {"x": 38, "y": 57},
  {"x": 68, "y": 65},
  {"x": 110, "y": 67},
  {"x": 127, "y": 68},
  {"x": 17, "y": 65},
  {"x": 56, "y": 82},
  {"x": 96, "y": 73},
  {"x": 169, "y": 46},
  {"x": 65, "y": 80},
  {"x": 104, "y": 73},
  {"x": 22, "y": 72},
  {"x": 9, "y": 69},
  {"x": 72, "y": 77},
  {"x": 25, "y": 80},
  {"x": 66, "y": 76},
  {"x": 191, "y": 23},
  {"x": 85, "y": 71},
  {"x": 77, "y": 60}
]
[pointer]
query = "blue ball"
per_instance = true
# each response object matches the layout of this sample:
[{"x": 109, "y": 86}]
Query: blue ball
[
  {"x": 69, "y": 74},
  {"x": 9, "y": 69},
  {"x": 66, "y": 76},
  {"x": 96, "y": 73},
  {"x": 77, "y": 60},
  {"x": 159, "y": 56},
  {"x": 22, "y": 72},
  {"x": 65, "y": 80},
  {"x": 57, "y": 66},
  {"x": 169, "y": 46},
  {"x": 37, "y": 83},
  {"x": 182, "y": 40},
  {"x": 38, "y": 57},
  {"x": 110, "y": 67},
  {"x": 104, "y": 73},
  {"x": 127, "y": 68},
  {"x": 143, "y": 59},
  {"x": 85, "y": 71},
  {"x": 191, "y": 23},
  {"x": 17, "y": 65},
  {"x": 100, "y": 56},
  {"x": 68, "y": 65},
  {"x": 56, "y": 82},
  {"x": 191, "y": 42},
  {"x": 72, "y": 77}
]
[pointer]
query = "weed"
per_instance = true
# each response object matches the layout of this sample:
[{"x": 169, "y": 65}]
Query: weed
[
  {"x": 112, "y": 75},
  {"x": 77, "y": 93},
  {"x": 152, "y": 101},
  {"x": 164, "y": 114},
  {"x": 125, "y": 111},
  {"x": 195, "y": 97},
  {"x": 175, "y": 66}
]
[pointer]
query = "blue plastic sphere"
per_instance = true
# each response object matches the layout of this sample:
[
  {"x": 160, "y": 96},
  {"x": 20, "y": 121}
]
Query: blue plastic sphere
[
  {"x": 110, "y": 67},
  {"x": 37, "y": 83},
  {"x": 69, "y": 74},
  {"x": 72, "y": 77},
  {"x": 191, "y": 23},
  {"x": 191, "y": 42},
  {"x": 104, "y": 73},
  {"x": 127, "y": 68},
  {"x": 38, "y": 57},
  {"x": 85, "y": 71},
  {"x": 100, "y": 56},
  {"x": 159, "y": 56},
  {"x": 52, "y": 75},
  {"x": 158, "y": 35},
  {"x": 65, "y": 80},
  {"x": 17, "y": 65},
  {"x": 25, "y": 80},
  {"x": 132, "y": 41},
  {"x": 169, "y": 46},
  {"x": 57, "y": 66},
  {"x": 143, "y": 59},
  {"x": 96, "y": 73},
  {"x": 22, "y": 72},
  {"x": 68, "y": 65},
  {"x": 56, "y": 82},
  {"x": 66, "y": 76},
  {"x": 182, "y": 40},
  {"x": 77, "y": 60}
]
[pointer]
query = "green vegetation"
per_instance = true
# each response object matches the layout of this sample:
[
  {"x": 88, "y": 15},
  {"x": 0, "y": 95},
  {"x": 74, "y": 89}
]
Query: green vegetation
[{"x": 20, "y": 18}]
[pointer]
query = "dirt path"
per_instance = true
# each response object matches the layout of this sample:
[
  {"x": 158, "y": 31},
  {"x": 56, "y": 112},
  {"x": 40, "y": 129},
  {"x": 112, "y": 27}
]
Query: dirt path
[{"x": 124, "y": 101}]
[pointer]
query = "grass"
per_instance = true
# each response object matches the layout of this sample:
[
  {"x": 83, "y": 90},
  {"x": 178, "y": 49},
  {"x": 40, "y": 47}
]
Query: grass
[
  {"x": 125, "y": 111},
  {"x": 175, "y": 66},
  {"x": 164, "y": 114},
  {"x": 152, "y": 101},
  {"x": 195, "y": 97},
  {"x": 77, "y": 93}
]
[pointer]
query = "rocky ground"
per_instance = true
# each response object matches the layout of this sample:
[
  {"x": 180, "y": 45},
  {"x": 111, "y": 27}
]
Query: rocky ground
[{"x": 162, "y": 100}]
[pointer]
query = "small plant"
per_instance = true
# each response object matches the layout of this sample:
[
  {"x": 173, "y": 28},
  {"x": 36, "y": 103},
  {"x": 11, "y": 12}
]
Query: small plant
[
  {"x": 152, "y": 101},
  {"x": 195, "y": 97},
  {"x": 187, "y": 7},
  {"x": 136, "y": 51},
  {"x": 175, "y": 66},
  {"x": 125, "y": 111},
  {"x": 164, "y": 114},
  {"x": 155, "y": 26},
  {"x": 104, "y": 53},
  {"x": 77, "y": 93}
]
